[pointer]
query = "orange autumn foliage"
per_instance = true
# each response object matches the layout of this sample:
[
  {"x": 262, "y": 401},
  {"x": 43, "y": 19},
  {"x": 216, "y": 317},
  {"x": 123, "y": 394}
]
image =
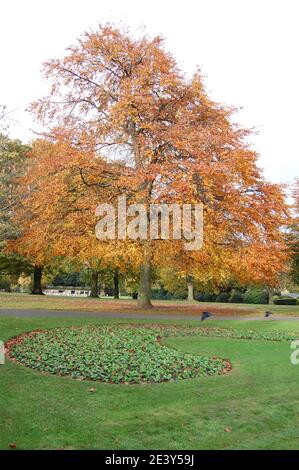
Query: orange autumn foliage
[{"x": 122, "y": 118}]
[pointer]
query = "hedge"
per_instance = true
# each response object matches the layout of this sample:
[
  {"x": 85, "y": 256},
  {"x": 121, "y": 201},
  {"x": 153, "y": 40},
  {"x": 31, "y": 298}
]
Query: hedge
[{"x": 285, "y": 301}]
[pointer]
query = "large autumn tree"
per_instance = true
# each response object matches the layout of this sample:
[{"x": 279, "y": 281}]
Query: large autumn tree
[{"x": 140, "y": 127}]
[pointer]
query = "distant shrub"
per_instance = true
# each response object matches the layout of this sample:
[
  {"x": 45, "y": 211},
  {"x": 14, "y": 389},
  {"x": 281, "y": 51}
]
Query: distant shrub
[
  {"x": 68, "y": 279},
  {"x": 207, "y": 297},
  {"x": 109, "y": 291},
  {"x": 256, "y": 296},
  {"x": 15, "y": 289},
  {"x": 154, "y": 294},
  {"x": 178, "y": 296},
  {"x": 285, "y": 301},
  {"x": 236, "y": 297},
  {"x": 5, "y": 285},
  {"x": 199, "y": 297},
  {"x": 162, "y": 294},
  {"x": 222, "y": 297}
]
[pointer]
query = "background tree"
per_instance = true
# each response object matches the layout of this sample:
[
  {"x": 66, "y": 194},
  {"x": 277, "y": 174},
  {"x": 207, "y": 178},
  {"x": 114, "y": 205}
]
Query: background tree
[
  {"x": 57, "y": 217},
  {"x": 12, "y": 167},
  {"x": 294, "y": 236}
]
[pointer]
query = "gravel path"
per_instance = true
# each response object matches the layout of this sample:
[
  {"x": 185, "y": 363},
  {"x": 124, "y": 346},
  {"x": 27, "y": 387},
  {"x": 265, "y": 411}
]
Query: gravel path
[{"x": 151, "y": 315}]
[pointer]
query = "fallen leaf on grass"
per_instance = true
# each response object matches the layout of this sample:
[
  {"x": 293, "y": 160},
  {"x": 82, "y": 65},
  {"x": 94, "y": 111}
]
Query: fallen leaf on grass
[{"x": 228, "y": 429}]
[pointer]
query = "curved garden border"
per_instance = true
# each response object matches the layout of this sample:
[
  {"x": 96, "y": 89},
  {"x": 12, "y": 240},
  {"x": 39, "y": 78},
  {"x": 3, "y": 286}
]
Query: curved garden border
[{"x": 120, "y": 362}]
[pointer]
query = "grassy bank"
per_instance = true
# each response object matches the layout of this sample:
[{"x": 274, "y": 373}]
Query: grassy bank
[{"x": 38, "y": 302}]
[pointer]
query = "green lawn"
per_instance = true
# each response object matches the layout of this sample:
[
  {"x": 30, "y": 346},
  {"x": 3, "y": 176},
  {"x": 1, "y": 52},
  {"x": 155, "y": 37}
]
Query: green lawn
[{"x": 255, "y": 406}]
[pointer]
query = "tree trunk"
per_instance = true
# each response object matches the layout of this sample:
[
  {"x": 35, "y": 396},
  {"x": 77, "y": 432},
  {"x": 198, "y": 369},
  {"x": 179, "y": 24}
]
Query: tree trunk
[
  {"x": 116, "y": 284},
  {"x": 190, "y": 289},
  {"x": 144, "y": 291},
  {"x": 270, "y": 292},
  {"x": 144, "y": 294},
  {"x": 37, "y": 281},
  {"x": 94, "y": 284}
]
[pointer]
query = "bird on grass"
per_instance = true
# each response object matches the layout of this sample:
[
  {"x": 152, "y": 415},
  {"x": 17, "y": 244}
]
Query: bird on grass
[
  {"x": 268, "y": 314},
  {"x": 205, "y": 315}
]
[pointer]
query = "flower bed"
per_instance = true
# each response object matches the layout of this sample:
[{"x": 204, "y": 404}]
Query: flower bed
[{"x": 114, "y": 354}]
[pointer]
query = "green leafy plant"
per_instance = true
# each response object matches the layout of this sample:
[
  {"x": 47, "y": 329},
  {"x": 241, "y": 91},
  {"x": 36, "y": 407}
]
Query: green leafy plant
[{"x": 111, "y": 354}]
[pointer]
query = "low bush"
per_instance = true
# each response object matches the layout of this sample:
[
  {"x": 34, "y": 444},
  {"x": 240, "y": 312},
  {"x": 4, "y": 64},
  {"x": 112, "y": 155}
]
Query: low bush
[
  {"x": 5, "y": 285},
  {"x": 208, "y": 297},
  {"x": 256, "y": 296},
  {"x": 285, "y": 301},
  {"x": 222, "y": 297},
  {"x": 162, "y": 294},
  {"x": 199, "y": 297},
  {"x": 178, "y": 296},
  {"x": 236, "y": 297}
]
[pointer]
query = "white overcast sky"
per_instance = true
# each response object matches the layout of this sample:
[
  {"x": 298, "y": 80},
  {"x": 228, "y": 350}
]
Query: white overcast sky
[{"x": 246, "y": 49}]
